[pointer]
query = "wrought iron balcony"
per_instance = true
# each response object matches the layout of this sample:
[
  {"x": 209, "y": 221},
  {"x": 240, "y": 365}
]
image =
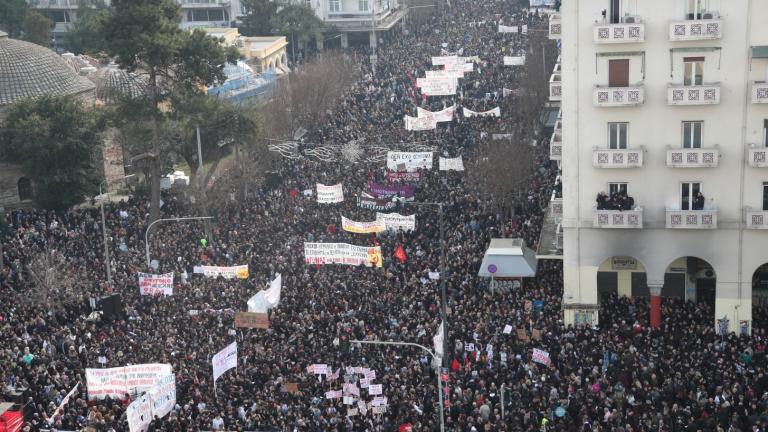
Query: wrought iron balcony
[
  {"x": 692, "y": 219},
  {"x": 696, "y": 30},
  {"x": 758, "y": 157},
  {"x": 759, "y": 92},
  {"x": 556, "y": 146},
  {"x": 617, "y": 158},
  {"x": 632, "y": 219},
  {"x": 756, "y": 219},
  {"x": 618, "y": 96},
  {"x": 626, "y": 32},
  {"x": 555, "y": 87},
  {"x": 708, "y": 94},
  {"x": 693, "y": 157},
  {"x": 555, "y": 26}
]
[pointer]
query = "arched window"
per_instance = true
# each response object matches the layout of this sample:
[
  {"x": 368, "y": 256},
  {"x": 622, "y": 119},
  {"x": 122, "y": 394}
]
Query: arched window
[{"x": 25, "y": 189}]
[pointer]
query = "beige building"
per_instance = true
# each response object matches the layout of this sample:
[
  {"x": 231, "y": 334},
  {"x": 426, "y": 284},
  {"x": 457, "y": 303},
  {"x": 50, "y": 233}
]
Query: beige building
[{"x": 262, "y": 53}]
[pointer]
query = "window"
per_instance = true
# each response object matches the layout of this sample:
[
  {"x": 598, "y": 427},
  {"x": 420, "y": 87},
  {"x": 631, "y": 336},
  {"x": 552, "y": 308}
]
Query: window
[
  {"x": 25, "y": 189},
  {"x": 696, "y": 9},
  {"x": 688, "y": 193},
  {"x": 615, "y": 11},
  {"x": 207, "y": 15},
  {"x": 362, "y": 5},
  {"x": 617, "y": 136},
  {"x": 334, "y": 5},
  {"x": 692, "y": 134},
  {"x": 765, "y": 196},
  {"x": 694, "y": 71},
  {"x": 765, "y": 133},
  {"x": 614, "y": 188}
]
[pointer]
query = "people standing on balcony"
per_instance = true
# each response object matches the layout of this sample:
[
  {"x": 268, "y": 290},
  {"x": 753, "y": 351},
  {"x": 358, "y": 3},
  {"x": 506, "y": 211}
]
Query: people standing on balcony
[
  {"x": 698, "y": 201},
  {"x": 603, "y": 201}
]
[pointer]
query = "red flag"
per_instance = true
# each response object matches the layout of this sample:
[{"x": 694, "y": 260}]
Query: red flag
[
  {"x": 455, "y": 365},
  {"x": 400, "y": 254}
]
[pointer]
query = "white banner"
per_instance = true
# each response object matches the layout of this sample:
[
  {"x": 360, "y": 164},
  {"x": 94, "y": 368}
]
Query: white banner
[
  {"x": 395, "y": 221},
  {"x": 63, "y": 403},
  {"x": 437, "y": 341},
  {"x": 456, "y": 164},
  {"x": 342, "y": 253},
  {"x": 419, "y": 123},
  {"x": 139, "y": 414},
  {"x": 163, "y": 396},
  {"x": 437, "y": 86},
  {"x": 150, "y": 284},
  {"x": 444, "y": 60},
  {"x": 508, "y": 29},
  {"x": 121, "y": 381},
  {"x": 514, "y": 61},
  {"x": 459, "y": 68},
  {"x": 224, "y": 360},
  {"x": 430, "y": 74},
  {"x": 496, "y": 112},
  {"x": 540, "y": 356},
  {"x": 330, "y": 194},
  {"x": 444, "y": 115},
  {"x": 239, "y": 271},
  {"x": 267, "y": 299},
  {"x": 407, "y": 161},
  {"x": 376, "y": 226}
]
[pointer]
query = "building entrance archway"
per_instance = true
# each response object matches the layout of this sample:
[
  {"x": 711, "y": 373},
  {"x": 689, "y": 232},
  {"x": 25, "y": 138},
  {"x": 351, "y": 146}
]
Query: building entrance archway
[
  {"x": 692, "y": 279},
  {"x": 760, "y": 298}
]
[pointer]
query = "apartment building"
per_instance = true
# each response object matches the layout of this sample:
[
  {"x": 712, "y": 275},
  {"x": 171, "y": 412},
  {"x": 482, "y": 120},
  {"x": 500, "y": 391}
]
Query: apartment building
[{"x": 665, "y": 110}]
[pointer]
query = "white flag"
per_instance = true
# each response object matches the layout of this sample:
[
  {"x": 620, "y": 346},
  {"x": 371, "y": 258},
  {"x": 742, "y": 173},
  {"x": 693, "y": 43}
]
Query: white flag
[
  {"x": 267, "y": 299},
  {"x": 438, "y": 341},
  {"x": 224, "y": 360}
]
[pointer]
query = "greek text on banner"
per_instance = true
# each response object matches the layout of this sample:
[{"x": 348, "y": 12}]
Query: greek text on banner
[
  {"x": 342, "y": 253},
  {"x": 150, "y": 284},
  {"x": 361, "y": 227}
]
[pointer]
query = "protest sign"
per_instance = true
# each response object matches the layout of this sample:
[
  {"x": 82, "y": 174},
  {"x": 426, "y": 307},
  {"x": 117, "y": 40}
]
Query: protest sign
[
  {"x": 437, "y": 86},
  {"x": 60, "y": 408},
  {"x": 375, "y": 204},
  {"x": 342, "y": 253},
  {"x": 508, "y": 29},
  {"x": 507, "y": 329},
  {"x": 267, "y": 299},
  {"x": 522, "y": 335},
  {"x": 540, "y": 356},
  {"x": 139, "y": 414},
  {"x": 407, "y": 161},
  {"x": 383, "y": 191},
  {"x": 452, "y": 74},
  {"x": 150, "y": 284},
  {"x": 121, "y": 381},
  {"x": 396, "y": 221},
  {"x": 333, "y": 394},
  {"x": 374, "y": 389},
  {"x": 447, "y": 164},
  {"x": 395, "y": 176},
  {"x": 514, "y": 61},
  {"x": 291, "y": 388},
  {"x": 434, "y": 275},
  {"x": 536, "y": 334},
  {"x": 496, "y": 112},
  {"x": 419, "y": 123},
  {"x": 362, "y": 227},
  {"x": 444, "y": 60},
  {"x": 251, "y": 320},
  {"x": 459, "y": 68},
  {"x": 444, "y": 115},
  {"x": 224, "y": 360},
  {"x": 330, "y": 194},
  {"x": 239, "y": 271},
  {"x": 163, "y": 396}
]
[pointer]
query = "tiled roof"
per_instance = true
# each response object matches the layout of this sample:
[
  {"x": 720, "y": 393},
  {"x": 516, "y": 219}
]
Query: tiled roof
[
  {"x": 113, "y": 84},
  {"x": 29, "y": 70}
]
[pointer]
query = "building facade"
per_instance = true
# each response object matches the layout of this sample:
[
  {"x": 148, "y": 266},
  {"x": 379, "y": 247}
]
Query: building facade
[{"x": 665, "y": 109}]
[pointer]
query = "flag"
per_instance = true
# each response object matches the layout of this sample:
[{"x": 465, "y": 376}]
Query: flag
[
  {"x": 267, "y": 299},
  {"x": 400, "y": 254},
  {"x": 60, "y": 408},
  {"x": 438, "y": 341},
  {"x": 224, "y": 360}
]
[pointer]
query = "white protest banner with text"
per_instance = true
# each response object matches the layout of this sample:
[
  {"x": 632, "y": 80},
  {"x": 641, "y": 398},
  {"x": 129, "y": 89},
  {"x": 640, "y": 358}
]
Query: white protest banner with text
[
  {"x": 419, "y": 123},
  {"x": 540, "y": 356},
  {"x": 447, "y": 164},
  {"x": 514, "y": 61},
  {"x": 163, "y": 396},
  {"x": 150, "y": 284},
  {"x": 224, "y": 360},
  {"x": 120, "y": 381},
  {"x": 508, "y": 29},
  {"x": 409, "y": 160},
  {"x": 444, "y": 86},
  {"x": 329, "y": 194},
  {"x": 139, "y": 414},
  {"x": 396, "y": 221},
  {"x": 342, "y": 253},
  {"x": 232, "y": 272},
  {"x": 496, "y": 112},
  {"x": 444, "y": 115},
  {"x": 444, "y": 60},
  {"x": 349, "y": 225}
]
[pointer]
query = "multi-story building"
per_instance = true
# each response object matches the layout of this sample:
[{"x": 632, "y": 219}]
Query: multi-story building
[
  {"x": 666, "y": 103},
  {"x": 361, "y": 17}
]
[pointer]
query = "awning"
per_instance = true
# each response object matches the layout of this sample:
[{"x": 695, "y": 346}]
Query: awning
[
  {"x": 508, "y": 258},
  {"x": 760, "y": 51}
]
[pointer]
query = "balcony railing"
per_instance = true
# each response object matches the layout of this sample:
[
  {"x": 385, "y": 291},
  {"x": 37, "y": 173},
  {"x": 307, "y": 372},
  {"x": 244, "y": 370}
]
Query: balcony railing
[
  {"x": 692, "y": 219},
  {"x": 619, "y": 33},
  {"x": 759, "y": 92},
  {"x": 756, "y": 219},
  {"x": 618, "y": 96},
  {"x": 758, "y": 157},
  {"x": 708, "y": 94},
  {"x": 556, "y": 204},
  {"x": 694, "y": 30},
  {"x": 555, "y": 26},
  {"x": 693, "y": 157},
  {"x": 556, "y": 146},
  {"x": 53, "y": 4},
  {"x": 617, "y": 158},
  {"x": 555, "y": 88},
  {"x": 618, "y": 218}
]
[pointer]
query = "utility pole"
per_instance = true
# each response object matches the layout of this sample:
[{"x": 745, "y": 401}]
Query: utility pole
[{"x": 374, "y": 39}]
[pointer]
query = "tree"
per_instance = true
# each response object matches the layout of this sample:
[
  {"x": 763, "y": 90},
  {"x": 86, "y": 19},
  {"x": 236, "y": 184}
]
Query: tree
[
  {"x": 56, "y": 142},
  {"x": 37, "y": 28},
  {"x": 145, "y": 35},
  {"x": 52, "y": 283},
  {"x": 12, "y": 13},
  {"x": 257, "y": 17},
  {"x": 84, "y": 36},
  {"x": 298, "y": 20},
  {"x": 502, "y": 169}
]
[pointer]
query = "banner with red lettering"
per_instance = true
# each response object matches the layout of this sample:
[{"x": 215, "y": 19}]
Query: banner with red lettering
[
  {"x": 151, "y": 284},
  {"x": 121, "y": 381}
]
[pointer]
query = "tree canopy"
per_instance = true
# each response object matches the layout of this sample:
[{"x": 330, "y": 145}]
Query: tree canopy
[
  {"x": 84, "y": 36},
  {"x": 257, "y": 17},
  {"x": 298, "y": 20}
]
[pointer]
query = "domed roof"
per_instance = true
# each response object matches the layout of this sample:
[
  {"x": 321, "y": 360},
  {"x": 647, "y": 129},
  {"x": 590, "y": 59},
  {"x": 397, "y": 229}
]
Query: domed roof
[
  {"x": 30, "y": 70},
  {"x": 113, "y": 84}
]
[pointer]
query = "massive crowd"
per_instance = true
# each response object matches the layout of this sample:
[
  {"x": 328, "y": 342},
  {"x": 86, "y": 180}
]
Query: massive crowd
[{"x": 621, "y": 376}]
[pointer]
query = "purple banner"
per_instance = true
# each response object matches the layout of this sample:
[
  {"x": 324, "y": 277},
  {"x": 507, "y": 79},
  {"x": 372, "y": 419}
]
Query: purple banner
[{"x": 382, "y": 191}]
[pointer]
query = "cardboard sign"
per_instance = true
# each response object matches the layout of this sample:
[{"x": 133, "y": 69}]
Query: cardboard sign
[
  {"x": 251, "y": 320},
  {"x": 291, "y": 388},
  {"x": 522, "y": 335},
  {"x": 536, "y": 334}
]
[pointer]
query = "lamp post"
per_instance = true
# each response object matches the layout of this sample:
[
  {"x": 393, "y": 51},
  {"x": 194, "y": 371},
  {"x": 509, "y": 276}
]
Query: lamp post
[
  {"x": 146, "y": 233},
  {"x": 443, "y": 302},
  {"x": 104, "y": 232},
  {"x": 437, "y": 371}
]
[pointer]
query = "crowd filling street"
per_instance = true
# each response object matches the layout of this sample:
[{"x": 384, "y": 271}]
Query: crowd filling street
[{"x": 620, "y": 376}]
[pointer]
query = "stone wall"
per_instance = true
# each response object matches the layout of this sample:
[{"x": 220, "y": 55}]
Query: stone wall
[{"x": 9, "y": 178}]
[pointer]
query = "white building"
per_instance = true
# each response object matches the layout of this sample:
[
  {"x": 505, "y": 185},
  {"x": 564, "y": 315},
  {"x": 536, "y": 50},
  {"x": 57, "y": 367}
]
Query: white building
[
  {"x": 663, "y": 99},
  {"x": 358, "y": 16}
]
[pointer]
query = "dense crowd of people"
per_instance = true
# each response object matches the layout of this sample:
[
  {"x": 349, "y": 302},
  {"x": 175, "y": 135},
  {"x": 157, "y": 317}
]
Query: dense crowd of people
[{"x": 621, "y": 376}]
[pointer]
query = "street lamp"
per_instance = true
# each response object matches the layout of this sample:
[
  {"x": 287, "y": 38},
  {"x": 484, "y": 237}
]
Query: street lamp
[
  {"x": 104, "y": 231},
  {"x": 443, "y": 302},
  {"x": 146, "y": 233},
  {"x": 437, "y": 371}
]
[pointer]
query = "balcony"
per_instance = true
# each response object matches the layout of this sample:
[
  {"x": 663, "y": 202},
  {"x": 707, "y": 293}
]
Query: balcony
[
  {"x": 53, "y": 4},
  {"x": 555, "y": 87},
  {"x": 632, "y": 219},
  {"x": 756, "y": 219},
  {"x": 555, "y": 26},
  {"x": 759, "y": 92},
  {"x": 708, "y": 94},
  {"x": 617, "y": 158},
  {"x": 618, "y": 96},
  {"x": 758, "y": 157},
  {"x": 203, "y": 3},
  {"x": 693, "y": 157},
  {"x": 696, "y": 30},
  {"x": 556, "y": 145},
  {"x": 692, "y": 219},
  {"x": 627, "y": 32}
]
